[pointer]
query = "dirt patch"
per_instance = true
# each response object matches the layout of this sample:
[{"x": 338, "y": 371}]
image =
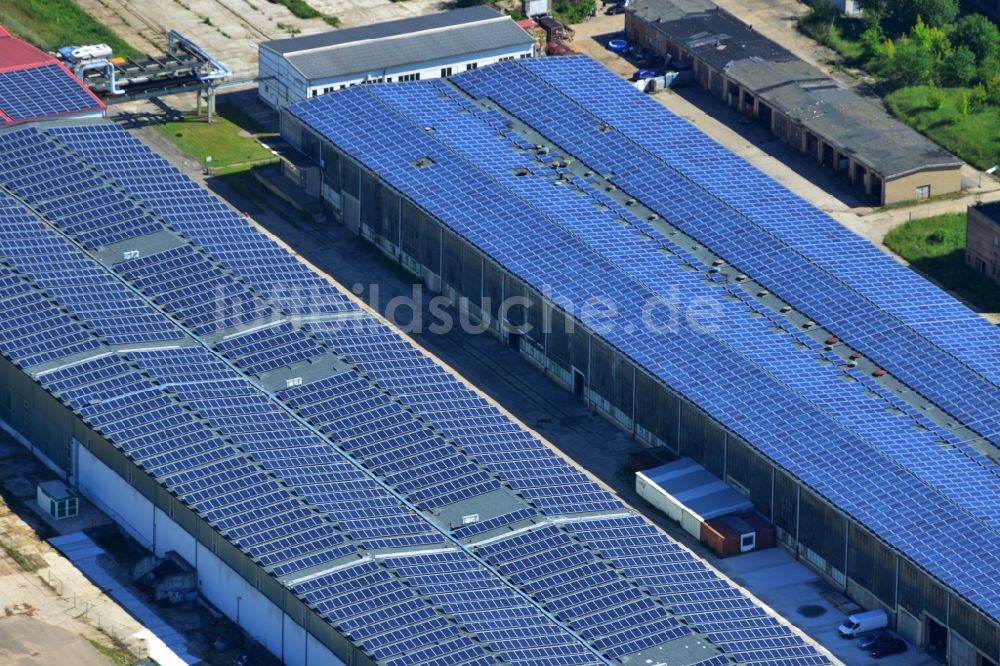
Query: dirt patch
[{"x": 19, "y": 609}]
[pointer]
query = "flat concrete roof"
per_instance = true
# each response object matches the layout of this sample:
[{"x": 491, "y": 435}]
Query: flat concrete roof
[{"x": 853, "y": 125}]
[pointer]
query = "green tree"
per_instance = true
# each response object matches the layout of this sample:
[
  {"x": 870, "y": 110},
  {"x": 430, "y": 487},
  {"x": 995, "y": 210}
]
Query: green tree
[
  {"x": 963, "y": 104},
  {"x": 912, "y": 65},
  {"x": 574, "y": 11},
  {"x": 993, "y": 90},
  {"x": 872, "y": 42},
  {"x": 979, "y": 34},
  {"x": 933, "y": 39},
  {"x": 978, "y": 98},
  {"x": 889, "y": 50},
  {"x": 823, "y": 11},
  {"x": 989, "y": 68},
  {"x": 935, "y": 13},
  {"x": 958, "y": 68},
  {"x": 875, "y": 8},
  {"x": 936, "y": 97}
]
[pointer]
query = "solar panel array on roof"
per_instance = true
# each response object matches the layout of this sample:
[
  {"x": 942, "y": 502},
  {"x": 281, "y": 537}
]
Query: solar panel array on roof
[
  {"x": 38, "y": 92},
  {"x": 906, "y": 477},
  {"x": 376, "y": 453}
]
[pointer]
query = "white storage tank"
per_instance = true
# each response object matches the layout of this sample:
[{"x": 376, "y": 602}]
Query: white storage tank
[{"x": 90, "y": 52}]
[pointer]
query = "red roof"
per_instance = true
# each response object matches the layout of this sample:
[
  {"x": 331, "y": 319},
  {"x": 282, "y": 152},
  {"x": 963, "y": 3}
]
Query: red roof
[
  {"x": 16, "y": 54},
  {"x": 528, "y": 23}
]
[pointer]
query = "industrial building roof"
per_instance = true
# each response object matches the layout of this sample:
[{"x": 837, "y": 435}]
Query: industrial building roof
[
  {"x": 383, "y": 46},
  {"x": 408, "y": 511},
  {"x": 625, "y": 201},
  {"x": 853, "y": 125},
  {"x": 702, "y": 493},
  {"x": 34, "y": 85}
]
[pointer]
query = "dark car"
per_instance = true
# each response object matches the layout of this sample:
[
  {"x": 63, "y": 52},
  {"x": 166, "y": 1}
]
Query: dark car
[
  {"x": 866, "y": 642},
  {"x": 615, "y": 9},
  {"x": 886, "y": 647}
]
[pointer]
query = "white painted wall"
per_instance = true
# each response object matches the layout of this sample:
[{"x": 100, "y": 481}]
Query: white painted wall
[
  {"x": 239, "y": 601},
  {"x": 226, "y": 589},
  {"x": 115, "y": 497},
  {"x": 169, "y": 535},
  {"x": 281, "y": 84}
]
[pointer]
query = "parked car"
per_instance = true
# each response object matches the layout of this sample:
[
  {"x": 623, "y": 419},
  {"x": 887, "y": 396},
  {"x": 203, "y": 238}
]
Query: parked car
[
  {"x": 886, "y": 647},
  {"x": 860, "y": 624},
  {"x": 868, "y": 640},
  {"x": 614, "y": 10}
]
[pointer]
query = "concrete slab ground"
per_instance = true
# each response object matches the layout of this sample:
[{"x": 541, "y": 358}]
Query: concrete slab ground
[
  {"x": 28, "y": 641},
  {"x": 231, "y": 29},
  {"x": 166, "y": 646},
  {"x": 796, "y": 593}
]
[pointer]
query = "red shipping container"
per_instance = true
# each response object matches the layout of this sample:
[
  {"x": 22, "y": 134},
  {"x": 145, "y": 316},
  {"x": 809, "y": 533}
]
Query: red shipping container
[{"x": 735, "y": 534}]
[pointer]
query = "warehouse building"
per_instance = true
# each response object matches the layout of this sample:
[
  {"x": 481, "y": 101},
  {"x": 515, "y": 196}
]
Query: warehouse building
[
  {"x": 883, "y": 158},
  {"x": 424, "y": 47},
  {"x": 982, "y": 240},
  {"x": 341, "y": 495},
  {"x": 700, "y": 306}
]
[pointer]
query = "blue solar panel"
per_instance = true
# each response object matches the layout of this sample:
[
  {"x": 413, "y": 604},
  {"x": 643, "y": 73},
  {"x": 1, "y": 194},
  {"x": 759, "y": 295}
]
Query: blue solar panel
[
  {"x": 36, "y": 92},
  {"x": 845, "y": 282},
  {"x": 382, "y": 356},
  {"x": 559, "y": 233},
  {"x": 286, "y": 282},
  {"x": 271, "y": 472}
]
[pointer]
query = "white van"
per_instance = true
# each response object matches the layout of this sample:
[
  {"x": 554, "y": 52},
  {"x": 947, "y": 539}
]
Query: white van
[{"x": 863, "y": 623}]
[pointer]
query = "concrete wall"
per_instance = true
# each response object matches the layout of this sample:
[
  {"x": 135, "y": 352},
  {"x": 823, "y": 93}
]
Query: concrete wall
[
  {"x": 848, "y": 7},
  {"x": 635, "y": 401},
  {"x": 944, "y": 181},
  {"x": 982, "y": 244}
]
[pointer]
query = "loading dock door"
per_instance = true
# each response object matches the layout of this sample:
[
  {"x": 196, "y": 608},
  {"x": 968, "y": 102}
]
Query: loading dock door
[
  {"x": 764, "y": 113},
  {"x": 937, "y": 639}
]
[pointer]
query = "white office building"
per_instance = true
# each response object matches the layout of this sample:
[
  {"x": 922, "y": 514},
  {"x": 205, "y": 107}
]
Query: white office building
[{"x": 425, "y": 47}]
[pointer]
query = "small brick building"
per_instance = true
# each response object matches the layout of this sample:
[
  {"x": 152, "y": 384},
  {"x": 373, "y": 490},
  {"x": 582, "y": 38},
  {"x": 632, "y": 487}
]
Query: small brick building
[{"x": 982, "y": 240}]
